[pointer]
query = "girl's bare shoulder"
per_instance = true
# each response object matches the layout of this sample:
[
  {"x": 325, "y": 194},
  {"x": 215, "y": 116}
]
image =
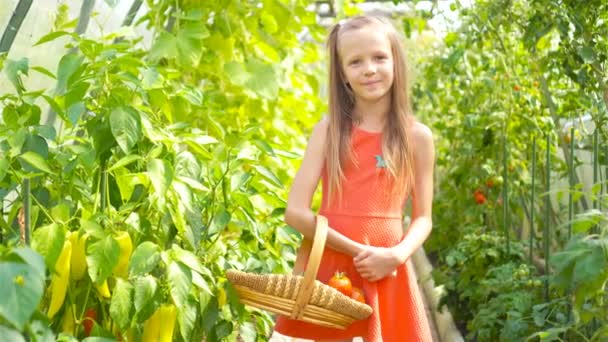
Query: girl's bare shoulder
[
  {"x": 319, "y": 131},
  {"x": 422, "y": 134}
]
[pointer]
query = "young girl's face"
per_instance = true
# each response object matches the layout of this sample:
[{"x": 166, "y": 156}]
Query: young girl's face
[{"x": 367, "y": 62}]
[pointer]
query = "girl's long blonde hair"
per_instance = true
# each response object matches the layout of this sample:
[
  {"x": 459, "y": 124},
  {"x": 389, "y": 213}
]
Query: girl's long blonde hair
[{"x": 396, "y": 142}]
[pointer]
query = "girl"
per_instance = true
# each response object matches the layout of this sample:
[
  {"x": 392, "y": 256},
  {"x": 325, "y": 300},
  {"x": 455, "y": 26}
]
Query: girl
[{"x": 372, "y": 155}]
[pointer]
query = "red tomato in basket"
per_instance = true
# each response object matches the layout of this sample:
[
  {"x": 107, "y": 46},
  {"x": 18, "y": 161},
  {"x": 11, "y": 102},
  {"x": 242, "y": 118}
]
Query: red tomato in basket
[
  {"x": 341, "y": 283},
  {"x": 358, "y": 295}
]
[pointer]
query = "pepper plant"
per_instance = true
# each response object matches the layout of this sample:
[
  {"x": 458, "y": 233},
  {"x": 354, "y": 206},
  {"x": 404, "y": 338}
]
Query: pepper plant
[{"x": 166, "y": 166}]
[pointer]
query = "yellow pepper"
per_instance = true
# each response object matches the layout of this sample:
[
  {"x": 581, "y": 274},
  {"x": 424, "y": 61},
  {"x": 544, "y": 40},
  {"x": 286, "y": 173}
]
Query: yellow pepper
[
  {"x": 160, "y": 326},
  {"x": 152, "y": 328},
  {"x": 103, "y": 289},
  {"x": 79, "y": 257},
  {"x": 126, "y": 248},
  {"x": 168, "y": 313},
  {"x": 60, "y": 280}
]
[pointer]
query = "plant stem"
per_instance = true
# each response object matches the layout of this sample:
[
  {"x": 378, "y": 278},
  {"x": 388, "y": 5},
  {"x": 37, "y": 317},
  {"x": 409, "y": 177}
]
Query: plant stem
[
  {"x": 27, "y": 204},
  {"x": 546, "y": 237},
  {"x": 531, "y": 243},
  {"x": 8, "y": 37}
]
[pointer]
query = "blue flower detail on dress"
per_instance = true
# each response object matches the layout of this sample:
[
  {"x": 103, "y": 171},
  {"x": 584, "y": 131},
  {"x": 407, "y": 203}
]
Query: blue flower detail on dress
[{"x": 380, "y": 162}]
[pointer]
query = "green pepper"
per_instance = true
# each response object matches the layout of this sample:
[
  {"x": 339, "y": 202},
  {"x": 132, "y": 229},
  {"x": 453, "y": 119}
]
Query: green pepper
[{"x": 60, "y": 279}]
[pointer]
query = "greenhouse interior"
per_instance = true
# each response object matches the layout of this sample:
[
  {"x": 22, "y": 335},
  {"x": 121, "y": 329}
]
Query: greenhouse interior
[{"x": 155, "y": 186}]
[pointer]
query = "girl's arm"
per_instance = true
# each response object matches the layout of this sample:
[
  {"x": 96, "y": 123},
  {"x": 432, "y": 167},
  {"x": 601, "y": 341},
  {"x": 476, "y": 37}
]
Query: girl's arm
[
  {"x": 375, "y": 263},
  {"x": 422, "y": 196},
  {"x": 298, "y": 213}
]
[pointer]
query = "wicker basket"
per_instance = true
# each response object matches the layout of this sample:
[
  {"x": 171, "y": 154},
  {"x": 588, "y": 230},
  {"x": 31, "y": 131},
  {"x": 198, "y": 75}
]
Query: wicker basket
[{"x": 301, "y": 297}]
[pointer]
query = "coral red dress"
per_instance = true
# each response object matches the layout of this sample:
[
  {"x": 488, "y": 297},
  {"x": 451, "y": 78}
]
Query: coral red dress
[{"x": 368, "y": 215}]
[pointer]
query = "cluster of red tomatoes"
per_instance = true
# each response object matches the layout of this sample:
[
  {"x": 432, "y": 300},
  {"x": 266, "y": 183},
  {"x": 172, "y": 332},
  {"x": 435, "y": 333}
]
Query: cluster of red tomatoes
[{"x": 342, "y": 283}]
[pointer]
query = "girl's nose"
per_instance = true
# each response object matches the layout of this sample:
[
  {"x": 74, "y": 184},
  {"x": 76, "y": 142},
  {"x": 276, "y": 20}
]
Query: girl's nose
[{"x": 370, "y": 69}]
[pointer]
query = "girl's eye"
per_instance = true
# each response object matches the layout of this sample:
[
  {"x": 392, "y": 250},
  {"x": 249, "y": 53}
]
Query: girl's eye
[
  {"x": 354, "y": 62},
  {"x": 380, "y": 58}
]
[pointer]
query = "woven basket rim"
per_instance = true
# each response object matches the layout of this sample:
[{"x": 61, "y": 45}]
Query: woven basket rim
[
  {"x": 297, "y": 294},
  {"x": 363, "y": 310}
]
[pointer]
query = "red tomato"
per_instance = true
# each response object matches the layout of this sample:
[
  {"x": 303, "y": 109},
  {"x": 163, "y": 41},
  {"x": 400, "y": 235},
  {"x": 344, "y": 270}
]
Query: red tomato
[
  {"x": 90, "y": 316},
  {"x": 480, "y": 198},
  {"x": 341, "y": 283},
  {"x": 358, "y": 295}
]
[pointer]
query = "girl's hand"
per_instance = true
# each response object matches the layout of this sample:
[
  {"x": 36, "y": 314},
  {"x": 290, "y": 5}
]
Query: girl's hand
[{"x": 375, "y": 263}]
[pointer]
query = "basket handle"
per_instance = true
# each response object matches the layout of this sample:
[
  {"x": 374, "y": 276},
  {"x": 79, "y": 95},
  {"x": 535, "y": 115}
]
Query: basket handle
[{"x": 310, "y": 274}]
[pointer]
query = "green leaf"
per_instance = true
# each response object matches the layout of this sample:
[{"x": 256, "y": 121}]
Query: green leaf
[
  {"x": 269, "y": 175},
  {"x": 124, "y": 161},
  {"x": 68, "y": 65},
  {"x": 189, "y": 43},
  {"x": 126, "y": 127},
  {"x": 220, "y": 221},
  {"x": 549, "y": 335},
  {"x": 46, "y": 132},
  {"x": 186, "y": 318},
  {"x": 145, "y": 288},
  {"x": 189, "y": 259},
  {"x": 32, "y": 258},
  {"x": 165, "y": 46},
  {"x": 4, "y": 163},
  {"x": 144, "y": 259},
  {"x": 204, "y": 140},
  {"x": 54, "y": 105},
  {"x": 263, "y": 80},
  {"x": 201, "y": 283},
  {"x": 10, "y": 334},
  {"x": 48, "y": 241},
  {"x": 102, "y": 257},
  {"x": 61, "y": 213},
  {"x": 40, "y": 331},
  {"x": 180, "y": 281},
  {"x": 128, "y": 182},
  {"x": 248, "y": 331},
  {"x": 160, "y": 174},
  {"x": 36, "y": 161},
  {"x": 211, "y": 315},
  {"x": 52, "y": 36},
  {"x": 22, "y": 287},
  {"x": 14, "y": 69},
  {"x": 192, "y": 95},
  {"x": 583, "y": 222},
  {"x": 75, "y": 111},
  {"x": 587, "y": 54},
  {"x": 120, "y": 307},
  {"x": 587, "y": 265},
  {"x": 264, "y": 146},
  {"x": 37, "y": 144},
  {"x": 44, "y": 71},
  {"x": 223, "y": 329},
  {"x": 187, "y": 165},
  {"x": 596, "y": 189},
  {"x": 92, "y": 228},
  {"x": 236, "y": 73}
]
